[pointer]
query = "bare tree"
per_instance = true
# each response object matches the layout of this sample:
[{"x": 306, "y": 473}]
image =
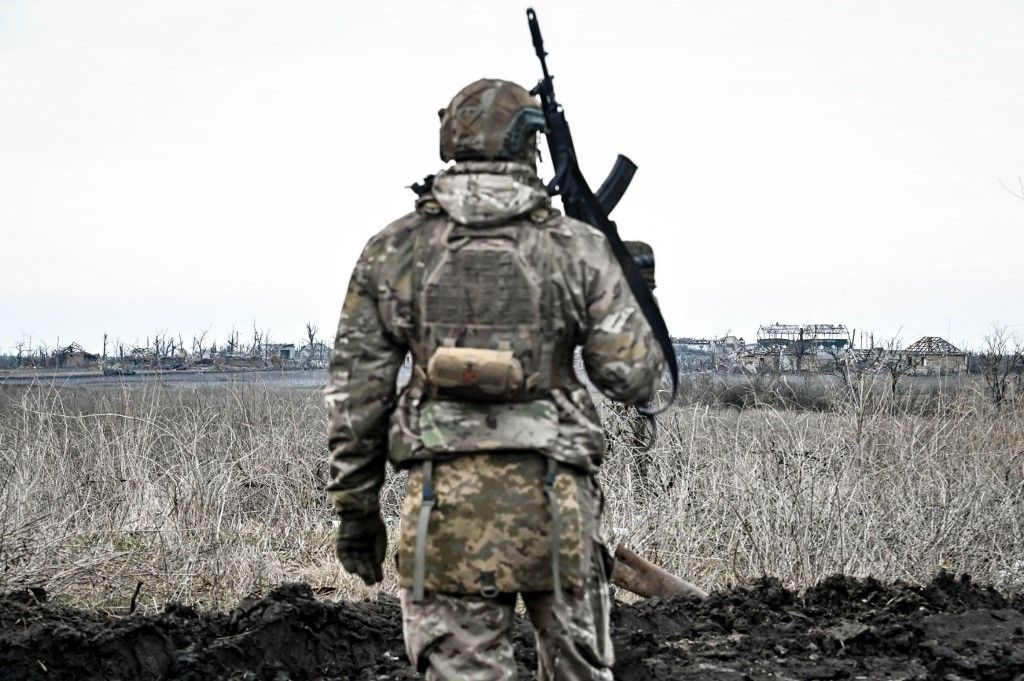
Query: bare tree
[
  {"x": 852, "y": 367},
  {"x": 800, "y": 349},
  {"x": 58, "y": 355},
  {"x": 311, "y": 330},
  {"x": 29, "y": 357},
  {"x": 233, "y": 341},
  {"x": 1001, "y": 359},
  {"x": 897, "y": 364},
  {"x": 198, "y": 343},
  {"x": 257, "y": 341},
  {"x": 837, "y": 358},
  {"x": 21, "y": 350}
]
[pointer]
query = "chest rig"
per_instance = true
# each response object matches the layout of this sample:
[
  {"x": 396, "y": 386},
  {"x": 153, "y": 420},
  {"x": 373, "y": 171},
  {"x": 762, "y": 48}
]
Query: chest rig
[
  {"x": 484, "y": 366},
  {"x": 481, "y": 311}
]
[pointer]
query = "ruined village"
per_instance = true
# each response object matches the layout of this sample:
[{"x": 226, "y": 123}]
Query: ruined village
[
  {"x": 777, "y": 348},
  {"x": 818, "y": 348},
  {"x": 167, "y": 352}
]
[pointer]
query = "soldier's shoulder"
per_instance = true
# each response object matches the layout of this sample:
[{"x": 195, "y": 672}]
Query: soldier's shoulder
[
  {"x": 576, "y": 231},
  {"x": 401, "y": 227},
  {"x": 397, "y": 234}
]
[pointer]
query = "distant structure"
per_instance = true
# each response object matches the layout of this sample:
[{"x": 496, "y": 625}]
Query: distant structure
[
  {"x": 280, "y": 351},
  {"x": 315, "y": 355},
  {"x": 935, "y": 355},
  {"x": 691, "y": 345},
  {"x": 708, "y": 354},
  {"x": 80, "y": 359},
  {"x": 694, "y": 354},
  {"x": 808, "y": 335}
]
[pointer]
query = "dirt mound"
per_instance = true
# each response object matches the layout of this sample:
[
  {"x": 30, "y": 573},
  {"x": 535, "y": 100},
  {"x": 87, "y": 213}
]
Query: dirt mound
[
  {"x": 289, "y": 634},
  {"x": 842, "y": 628}
]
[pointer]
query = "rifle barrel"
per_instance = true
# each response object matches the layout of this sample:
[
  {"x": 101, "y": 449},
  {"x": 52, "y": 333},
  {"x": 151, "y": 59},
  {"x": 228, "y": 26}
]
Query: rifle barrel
[{"x": 538, "y": 41}]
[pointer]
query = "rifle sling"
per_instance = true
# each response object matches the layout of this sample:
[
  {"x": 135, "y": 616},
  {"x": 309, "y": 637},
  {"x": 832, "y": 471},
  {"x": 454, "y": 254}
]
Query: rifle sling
[{"x": 585, "y": 206}]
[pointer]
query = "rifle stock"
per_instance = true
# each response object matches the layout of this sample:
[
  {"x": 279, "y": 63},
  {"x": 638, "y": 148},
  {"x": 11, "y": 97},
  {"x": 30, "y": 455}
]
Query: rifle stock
[{"x": 643, "y": 578}]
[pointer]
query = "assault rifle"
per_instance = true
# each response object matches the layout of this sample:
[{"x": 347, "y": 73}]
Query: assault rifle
[{"x": 582, "y": 203}]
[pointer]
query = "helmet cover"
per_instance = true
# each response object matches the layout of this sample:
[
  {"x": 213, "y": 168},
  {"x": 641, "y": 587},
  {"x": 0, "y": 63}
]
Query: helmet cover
[{"x": 490, "y": 119}]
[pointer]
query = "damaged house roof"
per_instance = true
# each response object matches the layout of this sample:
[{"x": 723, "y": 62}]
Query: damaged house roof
[{"x": 933, "y": 345}]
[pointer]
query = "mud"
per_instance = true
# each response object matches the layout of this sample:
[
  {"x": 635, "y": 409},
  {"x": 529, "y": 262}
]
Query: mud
[{"x": 843, "y": 628}]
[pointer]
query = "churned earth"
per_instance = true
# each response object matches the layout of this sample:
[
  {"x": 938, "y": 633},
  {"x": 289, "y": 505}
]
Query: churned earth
[{"x": 843, "y": 628}]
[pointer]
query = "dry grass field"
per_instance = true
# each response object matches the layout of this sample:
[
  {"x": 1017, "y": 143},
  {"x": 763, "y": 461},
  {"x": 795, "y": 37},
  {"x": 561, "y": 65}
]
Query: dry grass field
[{"x": 206, "y": 493}]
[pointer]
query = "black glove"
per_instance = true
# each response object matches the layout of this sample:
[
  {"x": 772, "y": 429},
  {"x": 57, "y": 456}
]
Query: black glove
[{"x": 361, "y": 544}]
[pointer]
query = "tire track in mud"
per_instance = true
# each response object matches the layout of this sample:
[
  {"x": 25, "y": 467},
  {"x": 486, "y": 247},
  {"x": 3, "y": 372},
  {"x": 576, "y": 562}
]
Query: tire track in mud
[{"x": 842, "y": 628}]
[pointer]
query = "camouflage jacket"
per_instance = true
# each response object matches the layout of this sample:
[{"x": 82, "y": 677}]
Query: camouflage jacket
[{"x": 401, "y": 300}]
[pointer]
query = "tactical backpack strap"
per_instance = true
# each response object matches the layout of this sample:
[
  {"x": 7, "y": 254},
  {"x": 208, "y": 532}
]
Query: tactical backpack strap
[
  {"x": 556, "y": 528},
  {"x": 419, "y": 566}
]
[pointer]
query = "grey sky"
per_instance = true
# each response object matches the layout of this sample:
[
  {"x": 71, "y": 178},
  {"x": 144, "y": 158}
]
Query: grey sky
[{"x": 177, "y": 166}]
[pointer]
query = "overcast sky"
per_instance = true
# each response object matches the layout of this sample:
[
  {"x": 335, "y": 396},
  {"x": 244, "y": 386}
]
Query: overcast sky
[{"x": 182, "y": 165}]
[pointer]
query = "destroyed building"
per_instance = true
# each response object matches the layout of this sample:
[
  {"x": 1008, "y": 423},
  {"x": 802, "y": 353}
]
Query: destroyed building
[
  {"x": 280, "y": 351},
  {"x": 80, "y": 359},
  {"x": 796, "y": 347},
  {"x": 316, "y": 354},
  {"x": 703, "y": 354},
  {"x": 932, "y": 355},
  {"x": 810, "y": 335}
]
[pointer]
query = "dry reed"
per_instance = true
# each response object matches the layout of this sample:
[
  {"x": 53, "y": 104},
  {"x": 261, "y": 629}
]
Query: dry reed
[{"x": 205, "y": 494}]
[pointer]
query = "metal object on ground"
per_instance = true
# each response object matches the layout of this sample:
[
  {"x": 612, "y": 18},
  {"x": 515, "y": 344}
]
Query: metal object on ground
[{"x": 642, "y": 577}]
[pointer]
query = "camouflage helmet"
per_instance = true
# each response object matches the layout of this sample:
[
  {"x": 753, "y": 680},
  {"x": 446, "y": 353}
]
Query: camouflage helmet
[{"x": 490, "y": 119}]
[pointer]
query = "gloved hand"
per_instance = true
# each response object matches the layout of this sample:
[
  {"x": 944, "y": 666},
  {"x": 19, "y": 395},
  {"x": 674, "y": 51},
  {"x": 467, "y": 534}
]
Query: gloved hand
[{"x": 361, "y": 544}]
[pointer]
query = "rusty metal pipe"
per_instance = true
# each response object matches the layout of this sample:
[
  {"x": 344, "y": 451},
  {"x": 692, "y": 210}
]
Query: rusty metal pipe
[{"x": 642, "y": 577}]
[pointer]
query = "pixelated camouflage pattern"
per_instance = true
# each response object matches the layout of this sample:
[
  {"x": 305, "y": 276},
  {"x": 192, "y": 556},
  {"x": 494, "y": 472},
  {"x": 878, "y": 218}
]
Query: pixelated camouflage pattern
[
  {"x": 464, "y": 427},
  {"x": 562, "y": 280},
  {"x": 468, "y": 636},
  {"x": 491, "y": 526}
]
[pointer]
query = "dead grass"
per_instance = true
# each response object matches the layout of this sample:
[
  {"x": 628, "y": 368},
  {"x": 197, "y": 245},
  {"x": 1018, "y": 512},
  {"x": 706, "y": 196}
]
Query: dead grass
[
  {"x": 865, "y": 487},
  {"x": 205, "y": 494}
]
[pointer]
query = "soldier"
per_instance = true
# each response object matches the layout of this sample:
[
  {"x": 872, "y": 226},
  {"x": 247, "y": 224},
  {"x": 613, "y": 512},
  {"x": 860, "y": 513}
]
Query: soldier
[{"x": 490, "y": 289}]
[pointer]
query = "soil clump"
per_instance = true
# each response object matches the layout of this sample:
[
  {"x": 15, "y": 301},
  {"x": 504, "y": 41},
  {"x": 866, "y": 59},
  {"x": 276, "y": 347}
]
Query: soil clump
[{"x": 842, "y": 628}]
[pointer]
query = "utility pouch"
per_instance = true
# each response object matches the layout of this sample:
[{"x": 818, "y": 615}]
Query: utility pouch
[
  {"x": 475, "y": 373},
  {"x": 451, "y": 427}
]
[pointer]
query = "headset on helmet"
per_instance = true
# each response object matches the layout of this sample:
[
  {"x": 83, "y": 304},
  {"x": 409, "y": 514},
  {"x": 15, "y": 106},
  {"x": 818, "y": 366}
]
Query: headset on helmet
[{"x": 490, "y": 119}]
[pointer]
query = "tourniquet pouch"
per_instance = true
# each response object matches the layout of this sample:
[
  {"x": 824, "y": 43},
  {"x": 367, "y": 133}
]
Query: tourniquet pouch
[
  {"x": 475, "y": 373},
  {"x": 489, "y": 529}
]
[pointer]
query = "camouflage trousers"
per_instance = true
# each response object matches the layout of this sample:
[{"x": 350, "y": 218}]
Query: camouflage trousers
[{"x": 468, "y": 637}]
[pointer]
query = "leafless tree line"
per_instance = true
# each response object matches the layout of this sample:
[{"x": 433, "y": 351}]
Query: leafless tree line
[{"x": 165, "y": 349}]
